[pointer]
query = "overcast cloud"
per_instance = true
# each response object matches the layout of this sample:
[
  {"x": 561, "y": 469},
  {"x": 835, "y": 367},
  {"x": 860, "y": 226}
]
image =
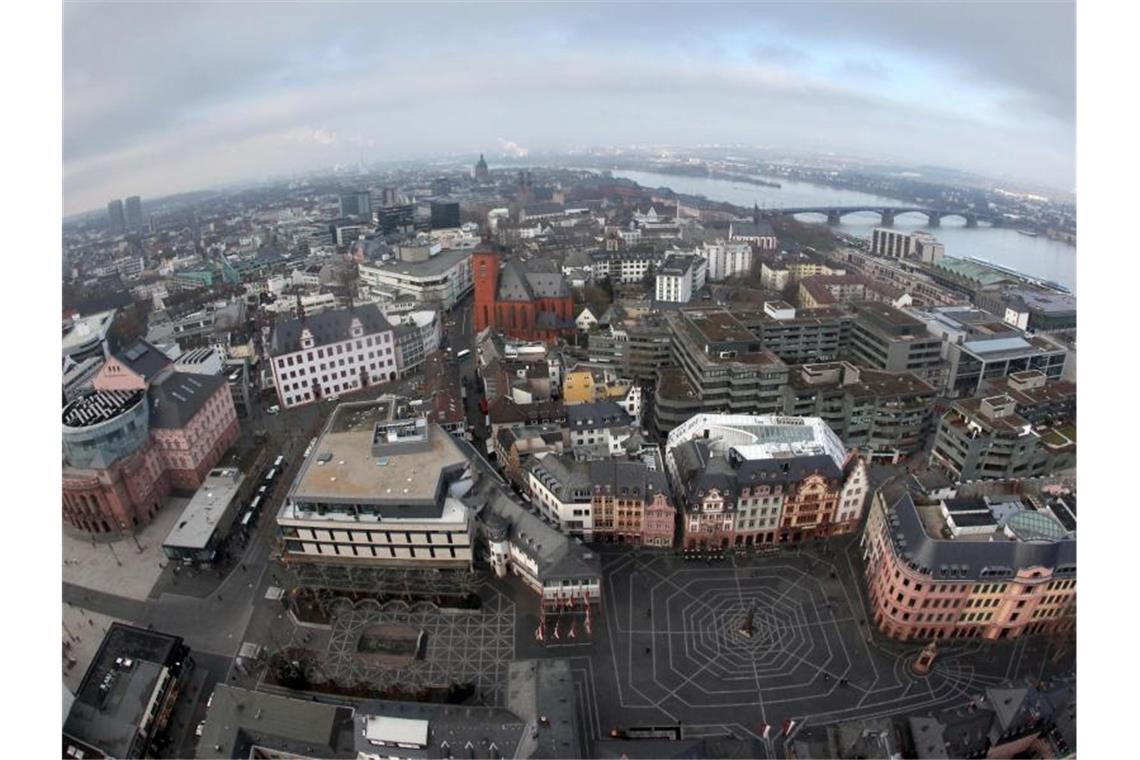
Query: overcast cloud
[{"x": 162, "y": 98}]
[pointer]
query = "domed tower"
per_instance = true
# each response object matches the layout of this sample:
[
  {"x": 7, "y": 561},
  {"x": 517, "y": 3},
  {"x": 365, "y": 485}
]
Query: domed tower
[
  {"x": 482, "y": 173},
  {"x": 496, "y": 531}
]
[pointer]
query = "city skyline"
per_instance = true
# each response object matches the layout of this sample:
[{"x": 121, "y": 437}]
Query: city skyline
[{"x": 936, "y": 84}]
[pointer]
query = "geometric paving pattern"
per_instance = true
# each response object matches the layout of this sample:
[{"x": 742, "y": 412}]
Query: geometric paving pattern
[
  {"x": 669, "y": 648},
  {"x": 462, "y": 646}
]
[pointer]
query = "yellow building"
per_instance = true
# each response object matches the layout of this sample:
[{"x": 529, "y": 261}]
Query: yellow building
[{"x": 582, "y": 387}]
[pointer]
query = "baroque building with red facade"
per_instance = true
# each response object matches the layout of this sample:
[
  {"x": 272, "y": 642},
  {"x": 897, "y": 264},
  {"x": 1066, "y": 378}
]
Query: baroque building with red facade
[{"x": 521, "y": 299}]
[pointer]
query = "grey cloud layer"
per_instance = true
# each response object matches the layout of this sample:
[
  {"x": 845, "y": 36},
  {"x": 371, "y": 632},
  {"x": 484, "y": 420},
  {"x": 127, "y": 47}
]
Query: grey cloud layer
[{"x": 163, "y": 98}]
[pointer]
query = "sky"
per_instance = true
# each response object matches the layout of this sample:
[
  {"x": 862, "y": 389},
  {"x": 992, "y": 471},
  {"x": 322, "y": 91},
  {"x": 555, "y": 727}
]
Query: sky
[{"x": 171, "y": 97}]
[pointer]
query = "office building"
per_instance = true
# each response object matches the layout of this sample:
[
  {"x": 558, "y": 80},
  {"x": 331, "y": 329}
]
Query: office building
[
  {"x": 882, "y": 337},
  {"x": 984, "y": 568},
  {"x": 134, "y": 215},
  {"x": 635, "y": 348},
  {"x": 330, "y": 353},
  {"x": 678, "y": 277},
  {"x": 1031, "y": 308},
  {"x": 357, "y": 205},
  {"x": 128, "y": 694},
  {"x": 396, "y": 218},
  {"x": 800, "y": 336},
  {"x": 718, "y": 366},
  {"x": 906, "y": 245},
  {"x": 885, "y": 415},
  {"x": 746, "y": 480},
  {"x": 380, "y": 488},
  {"x": 977, "y": 346},
  {"x": 444, "y": 215},
  {"x": 985, "y": 438},
  {"x": 116, "y": 220},
  {"x": 726, "y": 259},
  {"x": 426, "y": 273}
]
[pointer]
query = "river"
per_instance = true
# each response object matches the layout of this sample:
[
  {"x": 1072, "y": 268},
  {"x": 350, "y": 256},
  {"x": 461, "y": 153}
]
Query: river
[{"x": 1037, "y": 256}]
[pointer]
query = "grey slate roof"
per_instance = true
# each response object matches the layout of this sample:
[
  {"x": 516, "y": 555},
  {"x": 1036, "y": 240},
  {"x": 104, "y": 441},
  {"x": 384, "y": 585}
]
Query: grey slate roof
[
  {"x": 514, "y": 284},
  {"x": 144, "y": 359},
  {"x": 627, "y": 478},
  {"x": 240, "y": 719},
  {"x": 599, "y": 414},
  {"x": 965, "y": 560},
  {"x": 556, "y": 555},
  {"x": 177, "y": 397},
  {"x": 326, "y": 327}
]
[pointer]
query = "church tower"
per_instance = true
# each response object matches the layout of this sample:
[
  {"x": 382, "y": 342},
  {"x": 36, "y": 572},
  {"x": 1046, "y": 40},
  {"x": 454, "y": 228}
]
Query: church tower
[{"x": 485, "y": 272}]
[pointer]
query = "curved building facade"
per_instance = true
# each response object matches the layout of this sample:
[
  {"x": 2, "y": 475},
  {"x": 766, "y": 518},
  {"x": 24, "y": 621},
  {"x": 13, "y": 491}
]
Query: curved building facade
[{"x": 968, "y": 568}]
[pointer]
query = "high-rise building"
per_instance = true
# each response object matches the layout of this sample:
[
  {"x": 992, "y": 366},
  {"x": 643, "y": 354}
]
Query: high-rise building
[
  {"x": 356, "y": 204},
  {"x": 444, "y": 215},
  {"x": 116, "y": 221},
  {"x": 134, "y": 213}
]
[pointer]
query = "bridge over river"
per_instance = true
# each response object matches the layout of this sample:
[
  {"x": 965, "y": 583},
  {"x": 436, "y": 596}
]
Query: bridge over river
[{"x": 934, "y": 216}]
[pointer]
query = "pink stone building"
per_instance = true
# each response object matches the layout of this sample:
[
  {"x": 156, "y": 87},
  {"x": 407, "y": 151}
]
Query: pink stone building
[{"x": 144, "y": 431}]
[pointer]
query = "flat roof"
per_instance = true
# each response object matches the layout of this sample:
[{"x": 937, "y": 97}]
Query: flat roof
[
  {"x": 718, "y": 326},
  {"x": 200, "y": 518},
  {"x": 342, "y": 467},
  {"x": 401, "y": 732},
  {"x": 432, "y": 266}
]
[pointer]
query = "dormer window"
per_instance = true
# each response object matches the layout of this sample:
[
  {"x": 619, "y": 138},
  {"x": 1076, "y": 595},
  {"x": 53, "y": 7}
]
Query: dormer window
[
  {"x": 356, "y": 329},
  {"x": 307, "y": 340}
]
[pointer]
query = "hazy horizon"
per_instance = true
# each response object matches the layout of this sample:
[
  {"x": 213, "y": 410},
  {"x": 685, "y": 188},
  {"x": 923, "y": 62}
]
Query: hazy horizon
[{"x": 200, "y": 95}]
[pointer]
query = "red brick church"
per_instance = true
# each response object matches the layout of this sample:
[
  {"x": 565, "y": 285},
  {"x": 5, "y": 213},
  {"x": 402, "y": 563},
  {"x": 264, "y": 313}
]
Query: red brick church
[{"x": 524, "y": 300}]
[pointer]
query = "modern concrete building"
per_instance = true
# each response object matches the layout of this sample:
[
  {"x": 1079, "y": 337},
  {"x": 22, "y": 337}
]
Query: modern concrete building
[
  {"x": 381, "y": 488},
  {"x": 678, "y": 277},
  {"x": 906, "y": 245},
  {"x": 128, "y": 694},
  {"x": 726, "y": 259},
  {"x": 85, "y": 337},
  {"x": 357, "y": 205},
  {"x": 427, "y": 273},
  {"x": 209, "y": 517},
  {"x": 985, "y": 438},
  {"x": 134, "y": 215},
  {"x": 801, "y": 336},
  {"x": 969, "y": 568},
  {"x": 977, "y": 346},
  {"x": 718, "y": 366},
  {"x": 885, "y": 415},
  {"x": 116, "y": 221},
  {"x": 883, "y": 337},
  {"x": 745, "y": 480},
  {"x": 335, "y": 352},
  {"x": 636, "y": 348}
]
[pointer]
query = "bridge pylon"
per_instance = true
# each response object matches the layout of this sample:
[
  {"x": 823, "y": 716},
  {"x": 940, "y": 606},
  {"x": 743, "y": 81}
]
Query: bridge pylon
[
  {"x": 833, "y": 217},
  {"x": 887, "y": 218},
  {"x": 933, "y": 219},
  {"x": 971, "y": 220}
]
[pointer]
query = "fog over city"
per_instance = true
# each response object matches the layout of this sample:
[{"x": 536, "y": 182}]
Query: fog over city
[{"x": 163, "y": 98}]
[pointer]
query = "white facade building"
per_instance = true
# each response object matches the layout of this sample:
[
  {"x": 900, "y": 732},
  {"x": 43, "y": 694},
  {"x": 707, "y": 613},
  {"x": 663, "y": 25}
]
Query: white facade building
[
  {"x": 726, "y": 259},
  {"x": 679, "y": 277},
  {"x": 437, "y": 275},
  {"x": 331, "y": 353}
]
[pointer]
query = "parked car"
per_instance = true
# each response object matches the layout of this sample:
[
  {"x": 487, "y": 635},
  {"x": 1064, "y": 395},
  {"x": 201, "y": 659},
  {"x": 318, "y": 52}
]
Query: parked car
[{"x": 273, "y": 409}]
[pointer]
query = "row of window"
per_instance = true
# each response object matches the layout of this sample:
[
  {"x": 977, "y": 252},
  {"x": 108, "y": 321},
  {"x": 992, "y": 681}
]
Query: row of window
[
  {"x": 336, "y": 349},
  {"x": 382, "y": 552},
  {"x": 416, "y": 537}
]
